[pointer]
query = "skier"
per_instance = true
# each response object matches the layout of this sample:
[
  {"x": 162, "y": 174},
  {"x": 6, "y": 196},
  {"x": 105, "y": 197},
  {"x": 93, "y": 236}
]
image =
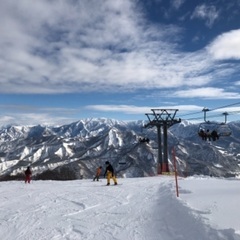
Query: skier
[
  {"x": 28, "y": 174},
  {"x": 98, "y": 172},
  {"x": 110, "y": 173},
  {"x": 214, "y": 135}
]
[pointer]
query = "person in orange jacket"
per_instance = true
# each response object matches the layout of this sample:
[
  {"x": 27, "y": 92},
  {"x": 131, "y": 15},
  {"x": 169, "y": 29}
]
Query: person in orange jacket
[
  {"x": 98, "y": 172},
  {"x": 28, "y": 174},
  {"x": 110, "y": 173}
]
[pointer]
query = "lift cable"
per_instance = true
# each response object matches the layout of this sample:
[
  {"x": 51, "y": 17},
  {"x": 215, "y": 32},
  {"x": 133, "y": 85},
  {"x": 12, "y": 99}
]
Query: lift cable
[
  {"x": 197, "y": 118},
  {"x": 225, "y": 106}
]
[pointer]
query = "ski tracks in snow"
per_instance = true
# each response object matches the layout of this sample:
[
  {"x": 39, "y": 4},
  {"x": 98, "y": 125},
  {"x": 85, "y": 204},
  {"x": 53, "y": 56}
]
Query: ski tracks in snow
[{"x": 140, "y": 209}]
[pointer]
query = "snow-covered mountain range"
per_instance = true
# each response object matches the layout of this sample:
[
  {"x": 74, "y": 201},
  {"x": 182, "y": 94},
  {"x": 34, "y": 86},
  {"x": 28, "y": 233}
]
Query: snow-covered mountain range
[{"x": 75, "y": 150}]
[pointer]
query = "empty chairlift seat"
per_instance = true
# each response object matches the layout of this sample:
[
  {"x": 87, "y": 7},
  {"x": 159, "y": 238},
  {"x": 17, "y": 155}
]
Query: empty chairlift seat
[{"x": 224, "y": 130}]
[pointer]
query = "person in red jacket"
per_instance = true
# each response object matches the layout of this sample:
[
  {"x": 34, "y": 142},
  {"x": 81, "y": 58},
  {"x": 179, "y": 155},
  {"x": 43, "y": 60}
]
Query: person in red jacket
[
  {"x": 98, "y": 172},
  {"x": 28, "y": 174}
]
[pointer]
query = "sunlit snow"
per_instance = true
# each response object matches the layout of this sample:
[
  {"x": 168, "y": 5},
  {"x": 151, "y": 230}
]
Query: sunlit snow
[{"x": 136, "y": 209}]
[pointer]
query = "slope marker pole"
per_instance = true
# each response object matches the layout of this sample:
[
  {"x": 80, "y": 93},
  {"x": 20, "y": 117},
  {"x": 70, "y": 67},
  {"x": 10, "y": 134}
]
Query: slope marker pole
[{"x": 175, "y": 170}]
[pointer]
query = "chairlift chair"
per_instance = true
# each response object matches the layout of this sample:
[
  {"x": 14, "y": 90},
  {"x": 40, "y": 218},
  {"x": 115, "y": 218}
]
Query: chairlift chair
[
  {"x": 207, "y": 126},
  {"x": 206, "y": 129},
  {"x": 122, "y": 162},
  {"x": 213, "y": 130},
  {"x": 143, "y": 140},
  {"x": 224, "y": 130},
  {"x": 221, "y": 129}
]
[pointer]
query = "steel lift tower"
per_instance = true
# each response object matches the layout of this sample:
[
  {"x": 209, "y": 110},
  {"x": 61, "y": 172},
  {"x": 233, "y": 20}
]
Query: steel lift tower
[{"x": 162, "y": 119}]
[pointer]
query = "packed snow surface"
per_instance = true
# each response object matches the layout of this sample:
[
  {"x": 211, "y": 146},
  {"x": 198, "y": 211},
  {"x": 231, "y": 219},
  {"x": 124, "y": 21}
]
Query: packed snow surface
[{"x": 137, "y": 208}]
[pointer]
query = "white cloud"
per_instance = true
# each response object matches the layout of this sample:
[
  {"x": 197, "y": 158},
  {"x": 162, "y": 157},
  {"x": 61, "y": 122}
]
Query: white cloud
[
  {"x": 207, "y": 13},
  {"x": 226, "y": 46},
  {"x": 75, "y": 46},
  {"x": 177, "y": 3},
  {"x": 83, "y": 46},
  {"x": 27, "y": 115},
  {"x": 33, "y": 119},
  {"x": 131, "y": 109},
  {"x": 207, "y": 93},
  {"x": 32, "y": 115},
  {"x": 237, "y": 83}
]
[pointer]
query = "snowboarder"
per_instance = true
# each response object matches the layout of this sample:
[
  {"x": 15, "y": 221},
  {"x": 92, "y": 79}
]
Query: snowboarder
[
  {"x": 28, "y": 174},
  {"x": 98, "y": 172},
  {"x": 110, "y": 173}
]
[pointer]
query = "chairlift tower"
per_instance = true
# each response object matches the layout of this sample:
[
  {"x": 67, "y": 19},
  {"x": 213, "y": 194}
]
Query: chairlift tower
[{"x": 162, "y": 119}]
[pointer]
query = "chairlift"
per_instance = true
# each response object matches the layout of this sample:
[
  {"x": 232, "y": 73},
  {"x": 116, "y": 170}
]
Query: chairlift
[
  {"x": 208, "y": 130},
  {"x": 122, "y": 162},
  {"x": 224, "y": 130},
  {"x": 213, "y": 130},
  {"x": 143, "y": 140}
]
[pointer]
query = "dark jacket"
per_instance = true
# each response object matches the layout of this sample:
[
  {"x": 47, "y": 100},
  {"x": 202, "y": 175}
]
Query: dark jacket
[
  {"x": 110, "y": 169},
  {"x": 28, "y": 172}
]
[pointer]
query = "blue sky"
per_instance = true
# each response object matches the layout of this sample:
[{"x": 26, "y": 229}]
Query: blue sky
[{"x": 65, "y": 60}]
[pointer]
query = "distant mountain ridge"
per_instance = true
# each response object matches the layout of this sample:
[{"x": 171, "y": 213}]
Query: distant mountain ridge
[{"x": 75, "y": 150}]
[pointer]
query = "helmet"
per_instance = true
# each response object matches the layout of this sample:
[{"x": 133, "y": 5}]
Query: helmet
[{"x": 107, "y": 162}]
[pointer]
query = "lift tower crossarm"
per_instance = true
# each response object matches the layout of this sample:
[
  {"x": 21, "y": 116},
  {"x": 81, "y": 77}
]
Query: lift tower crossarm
[{"x": 162, "y": 118}]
